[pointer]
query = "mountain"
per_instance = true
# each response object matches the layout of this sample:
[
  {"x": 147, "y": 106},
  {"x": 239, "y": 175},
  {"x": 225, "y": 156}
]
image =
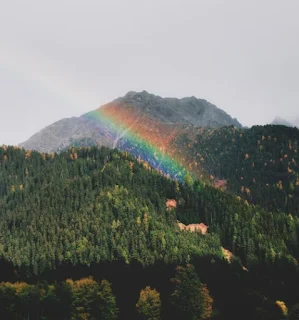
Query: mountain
[
  {"x": 102, "y": 213},
  {"x": 253, "y": 163},
  {"x": 281, "y": 121},
  {"x": 99, "y": 125},
  {"x": 190, "y": 110},
  {"x": 116, "y": 215},
  {"x": 180, "y": 137}
]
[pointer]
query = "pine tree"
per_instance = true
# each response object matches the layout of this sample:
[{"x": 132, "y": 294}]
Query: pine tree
[
  {"x": 106, "y": 303},
  {"x": 190, "y": 297}
]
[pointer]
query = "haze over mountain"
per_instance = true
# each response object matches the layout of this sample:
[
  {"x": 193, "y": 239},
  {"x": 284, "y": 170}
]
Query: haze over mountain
[
  {"x": 284, "y": 122},
  {"x": 51, "y": 71},
  {"x": 143, "y": 107}
]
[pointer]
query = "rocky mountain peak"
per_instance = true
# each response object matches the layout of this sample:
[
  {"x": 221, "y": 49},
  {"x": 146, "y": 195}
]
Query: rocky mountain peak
[
  {"x": 188, "y": 110},
  {"x": 153, "y": 109}
]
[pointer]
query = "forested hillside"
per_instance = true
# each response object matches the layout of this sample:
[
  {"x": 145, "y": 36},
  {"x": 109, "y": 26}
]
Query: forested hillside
[
  {"x": 259, "y": 164},
  {"x": 89, "y": 205},
  {"x": 101, "y": 212}
]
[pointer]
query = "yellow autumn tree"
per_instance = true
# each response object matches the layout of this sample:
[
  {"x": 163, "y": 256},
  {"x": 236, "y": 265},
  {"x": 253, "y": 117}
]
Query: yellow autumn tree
[
  {"x": 188, "y": 180},
  {"x": 283, "y": 308},
  {"x": 92, "y": 300},
  {"x": 207, "y": 304},
  {"x": 149, "y": 304}
]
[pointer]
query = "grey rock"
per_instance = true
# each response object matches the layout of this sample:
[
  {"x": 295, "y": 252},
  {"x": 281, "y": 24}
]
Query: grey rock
[
  {"x": 185, "y": 111},
  {"x": 189, "y": 110}
]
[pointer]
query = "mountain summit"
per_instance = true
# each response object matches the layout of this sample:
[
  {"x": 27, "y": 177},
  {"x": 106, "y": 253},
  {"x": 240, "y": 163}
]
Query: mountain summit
[
  {"x": 152, "y": 109},
  {"x": 281, "y": 121},
  {"x": 189, "y": 110}
]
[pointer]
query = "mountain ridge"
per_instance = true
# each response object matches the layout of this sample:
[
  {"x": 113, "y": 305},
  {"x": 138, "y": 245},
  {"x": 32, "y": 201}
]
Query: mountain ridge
[
  {"x": 188, "y": 110},
  {"x": 281, "y": 121},
  {"x": 148, "y": 101}
]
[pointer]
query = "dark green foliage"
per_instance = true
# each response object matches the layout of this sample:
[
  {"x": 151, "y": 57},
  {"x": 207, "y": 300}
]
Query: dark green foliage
[
  {"x": 188, "y": 295},
  {"x": 90, "y": 205},
  {"x": 250, "y": 232},
  {"x": 87, "y": 299},
  {"x": 98, "y": 209},
  {"x": 294, "y": 312},
  {"x": 260, "y": 163},
  {"x": 91, "y": 300},
  {"x": 105, "y": 302},
  {"x": 86, "y": 206}
]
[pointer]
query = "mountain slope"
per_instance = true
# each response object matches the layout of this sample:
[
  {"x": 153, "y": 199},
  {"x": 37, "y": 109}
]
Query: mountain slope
[
  {"x": 90, "y": 205},
  {"x": 169, "y": 134},
  {"x": 190, "y": 110},
  {"x": 102, "y": 212},
  {"x": 283, "y": 122},
  {"x": 259, "y": 164},
  {"x": 86, "y": 206},
  {"x": 161, "y": 111}
]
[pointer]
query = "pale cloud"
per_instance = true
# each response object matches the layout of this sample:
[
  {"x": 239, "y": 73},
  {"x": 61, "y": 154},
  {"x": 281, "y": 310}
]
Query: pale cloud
[{"x": 64, "y": 58}]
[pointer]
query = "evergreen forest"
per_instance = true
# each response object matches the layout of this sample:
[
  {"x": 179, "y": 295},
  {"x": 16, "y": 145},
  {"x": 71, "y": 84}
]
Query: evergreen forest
[{"x": 86, "y": 233}]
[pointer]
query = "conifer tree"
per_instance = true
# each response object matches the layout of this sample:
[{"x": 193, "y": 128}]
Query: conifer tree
[{"x": 190, "y": 297}]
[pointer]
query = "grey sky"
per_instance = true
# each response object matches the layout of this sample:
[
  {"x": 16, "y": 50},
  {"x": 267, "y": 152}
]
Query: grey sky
[{"x": 64, "y": 58}]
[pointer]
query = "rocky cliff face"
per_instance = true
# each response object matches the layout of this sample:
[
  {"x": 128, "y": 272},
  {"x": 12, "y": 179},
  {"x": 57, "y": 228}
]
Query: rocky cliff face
[
  {"x": 51, "y": 137},
  {"x": 104, "y": 126},
  {"x": 190, "y": 110}
]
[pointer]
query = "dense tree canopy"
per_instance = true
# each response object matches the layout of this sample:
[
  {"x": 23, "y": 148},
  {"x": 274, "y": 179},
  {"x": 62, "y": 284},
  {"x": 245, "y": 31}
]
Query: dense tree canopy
[
  {"x": 87, "y": 207},
  {"x": 190, "y": 297},
  {"x": 260, "y": 164},
  {"x": 82, "y": 299}
]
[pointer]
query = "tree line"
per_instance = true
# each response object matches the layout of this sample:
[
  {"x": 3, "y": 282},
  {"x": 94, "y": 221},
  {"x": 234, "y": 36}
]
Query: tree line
[{"x": 102, "y": 212}]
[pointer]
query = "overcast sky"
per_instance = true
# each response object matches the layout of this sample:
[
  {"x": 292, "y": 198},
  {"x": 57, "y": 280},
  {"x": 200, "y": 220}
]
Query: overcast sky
[{"x": 63, "y": 58}]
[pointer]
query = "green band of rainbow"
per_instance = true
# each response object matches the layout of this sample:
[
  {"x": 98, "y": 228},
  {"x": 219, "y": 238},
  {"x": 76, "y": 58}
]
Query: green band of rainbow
[{"x": 133, "y": 142}]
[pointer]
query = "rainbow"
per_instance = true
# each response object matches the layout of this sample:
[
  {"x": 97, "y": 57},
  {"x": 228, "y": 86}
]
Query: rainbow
[
  {"x": 133, "y": 133},
  {"x": 126, "y": 136}
]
